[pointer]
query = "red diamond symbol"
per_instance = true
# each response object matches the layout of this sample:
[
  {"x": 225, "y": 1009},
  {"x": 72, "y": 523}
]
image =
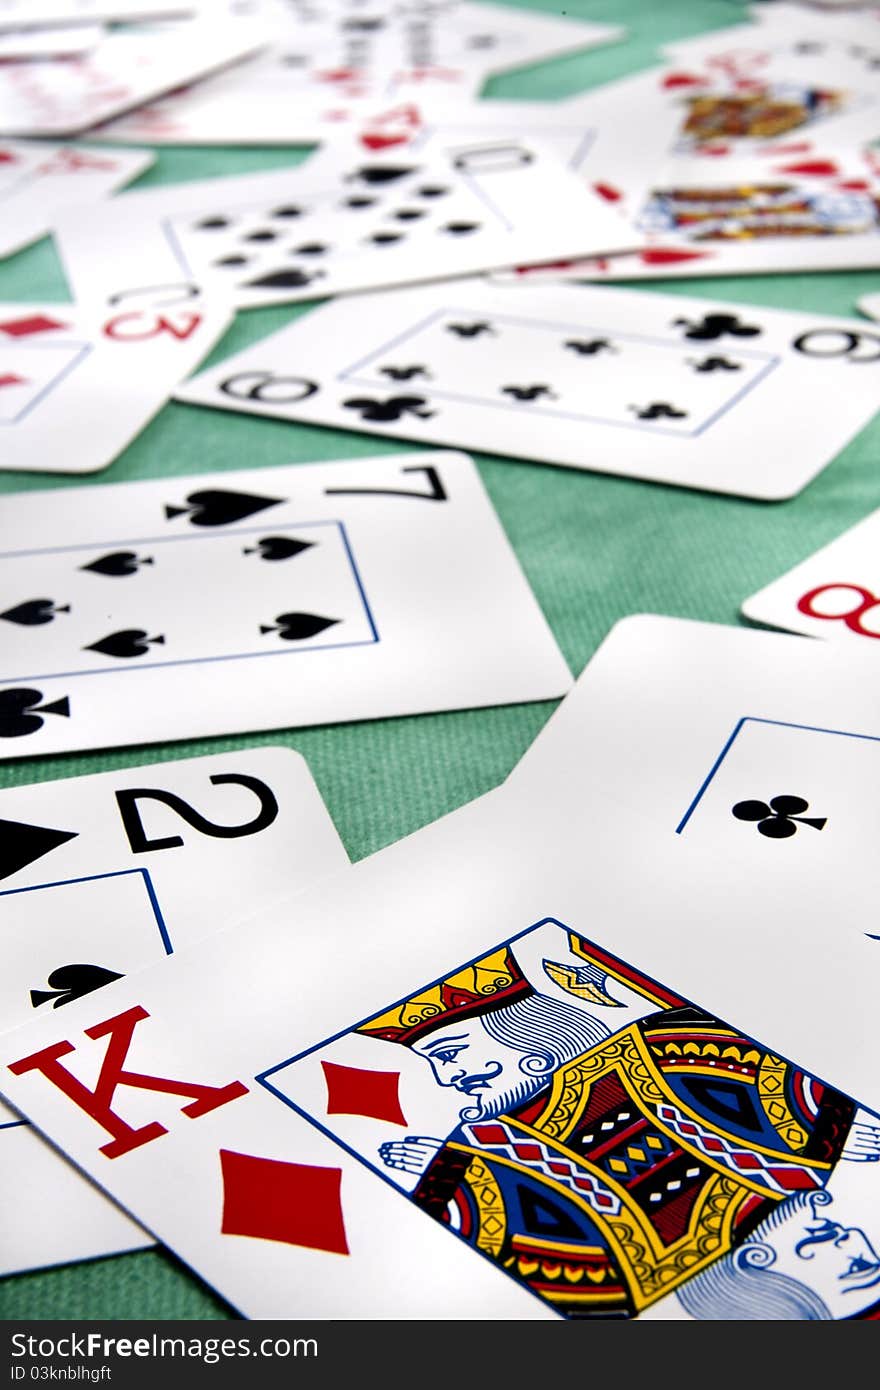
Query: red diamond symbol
[
  {"x": 295, "y": 1203},
  {"x": 529, "y": 1153},
  {"x": 744, "y": 1161},
  {"x": 792, "y": 1178},
  {"x": 10, "y": 379},
  {"x": 490, "y": 1134},
  {"x": 7, "y": 158},
  {"x": 557, "y": 1167},
  {"x": 353, "y": 1091},
  {"x": 37, "y": 323},
  {"x": 714, "y": 1146},
  {"x": 668, "y": 255}
]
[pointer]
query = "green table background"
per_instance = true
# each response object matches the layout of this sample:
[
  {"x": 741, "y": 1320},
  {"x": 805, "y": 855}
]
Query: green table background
[{"x": 594, "y": 549}]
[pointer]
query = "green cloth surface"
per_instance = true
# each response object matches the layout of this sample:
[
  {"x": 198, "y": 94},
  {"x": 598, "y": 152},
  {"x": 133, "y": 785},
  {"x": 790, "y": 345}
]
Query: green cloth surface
[{"x": 594, "y": 548}]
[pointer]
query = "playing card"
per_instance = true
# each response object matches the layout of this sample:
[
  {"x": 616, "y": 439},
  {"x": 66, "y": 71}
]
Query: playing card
[
  {"x": 776, "y": 83},
  {"x": 605, "y": 1142},
  {"x": 323, "y": 72},
  {"x": 832, "y": 594},
  {"x": 35, "y": 13},
  {"x": 77, "y": 385},
  {"x": 760, "y": 749},
  {"x": 594, "y": 140},
  {"x": 65, "y": 96},
  {"x": 666, "y": 388},
  {"x": 344, "y": 222},
  {"x": 793, "y": 215},
  {"x": 722, "y": 171},
  {"x": 150, "y": 611},
  {"x": 37, "y": 180},
  {"x": 105, "y": 873}
]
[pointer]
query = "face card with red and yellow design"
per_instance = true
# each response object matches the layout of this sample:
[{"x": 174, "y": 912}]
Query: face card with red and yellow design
[
  {"x": 470, "y": 1066},
  {"x": 77, "y": 386}
]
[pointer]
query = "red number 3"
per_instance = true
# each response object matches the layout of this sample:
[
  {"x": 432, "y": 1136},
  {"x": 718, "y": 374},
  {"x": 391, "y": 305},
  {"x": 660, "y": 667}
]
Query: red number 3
[{"x": 144, "y": 325}]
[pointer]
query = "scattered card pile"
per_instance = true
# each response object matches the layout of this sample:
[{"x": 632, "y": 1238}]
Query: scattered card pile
[{"x": 609, "y": 1027}]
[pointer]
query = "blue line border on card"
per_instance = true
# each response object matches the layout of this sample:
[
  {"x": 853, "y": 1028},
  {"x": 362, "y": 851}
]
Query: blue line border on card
[
  {"x": 737, "y": 730},
  {"x": 84, "y": 350},
  {"x": 90, "y": 878},
  {"x": 90, "y": 548},
  {"x": 350, "y": 374}
]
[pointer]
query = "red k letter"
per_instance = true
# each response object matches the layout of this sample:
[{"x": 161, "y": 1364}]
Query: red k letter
[{"x": 98, "y": 1103}]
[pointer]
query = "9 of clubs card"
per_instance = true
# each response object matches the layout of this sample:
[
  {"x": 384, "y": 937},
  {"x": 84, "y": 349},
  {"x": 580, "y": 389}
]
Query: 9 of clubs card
[{"x": 666, "y": 388}]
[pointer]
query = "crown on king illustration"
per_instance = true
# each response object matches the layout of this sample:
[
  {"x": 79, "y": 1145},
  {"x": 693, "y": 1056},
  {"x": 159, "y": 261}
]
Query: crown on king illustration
[{"x": 484, "y": 985}]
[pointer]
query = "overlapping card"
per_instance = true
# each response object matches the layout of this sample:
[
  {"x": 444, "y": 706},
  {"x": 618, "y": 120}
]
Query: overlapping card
[
  {"x": 265, "y": 599},
  {"x": 666, "y": 388},
  {"x": 342, "y": 221},
  {"x": 565, "y": 1053},
  {"x": 38, "y": 180},
  {"x": 102, "y": 874},
  {"x": 78, "y": 384}
]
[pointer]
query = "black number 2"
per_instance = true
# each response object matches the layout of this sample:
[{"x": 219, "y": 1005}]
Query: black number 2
[{"x": 129, "y": 797}]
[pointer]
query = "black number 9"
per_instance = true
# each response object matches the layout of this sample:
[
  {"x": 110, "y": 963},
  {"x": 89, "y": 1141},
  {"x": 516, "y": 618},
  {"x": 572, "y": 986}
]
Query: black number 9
[{"x": 839, "y": 342}]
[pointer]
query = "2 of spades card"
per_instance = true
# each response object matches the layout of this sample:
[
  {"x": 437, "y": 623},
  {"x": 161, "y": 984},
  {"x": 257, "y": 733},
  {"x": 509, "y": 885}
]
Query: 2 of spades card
[
  {"x": 514, "y": 1094},
  {"x": 77, "y": 385},
  {"x": 264, "y": 599},
  {"x": 100, "y": 875},
  {"x": 341, "y": 223},
  {"x": 665, "y": 388},
  {"x": 36, "y": 180}
]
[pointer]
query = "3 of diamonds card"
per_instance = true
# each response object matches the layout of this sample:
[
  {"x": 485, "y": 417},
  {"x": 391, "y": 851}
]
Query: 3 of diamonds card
[
  {"x": 77, "y": 385},
  {"x": 690, "y": 391},
  {"x": 265, "y": 599}
]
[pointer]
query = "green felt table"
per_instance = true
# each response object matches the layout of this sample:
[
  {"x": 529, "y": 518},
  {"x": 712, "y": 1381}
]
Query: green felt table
[{"x": 594, "y": 548}]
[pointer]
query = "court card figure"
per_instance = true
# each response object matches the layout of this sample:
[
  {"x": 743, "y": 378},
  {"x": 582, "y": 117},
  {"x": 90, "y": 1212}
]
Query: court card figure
[{"x": 608, "y": 1144}]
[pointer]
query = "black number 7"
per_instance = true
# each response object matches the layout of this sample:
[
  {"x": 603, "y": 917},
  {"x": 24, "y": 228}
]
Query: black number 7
[{"x": 436, "y": 494}]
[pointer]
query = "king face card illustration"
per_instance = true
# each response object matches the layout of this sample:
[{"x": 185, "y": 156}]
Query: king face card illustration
[{"x": 604, "y": 1142}]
